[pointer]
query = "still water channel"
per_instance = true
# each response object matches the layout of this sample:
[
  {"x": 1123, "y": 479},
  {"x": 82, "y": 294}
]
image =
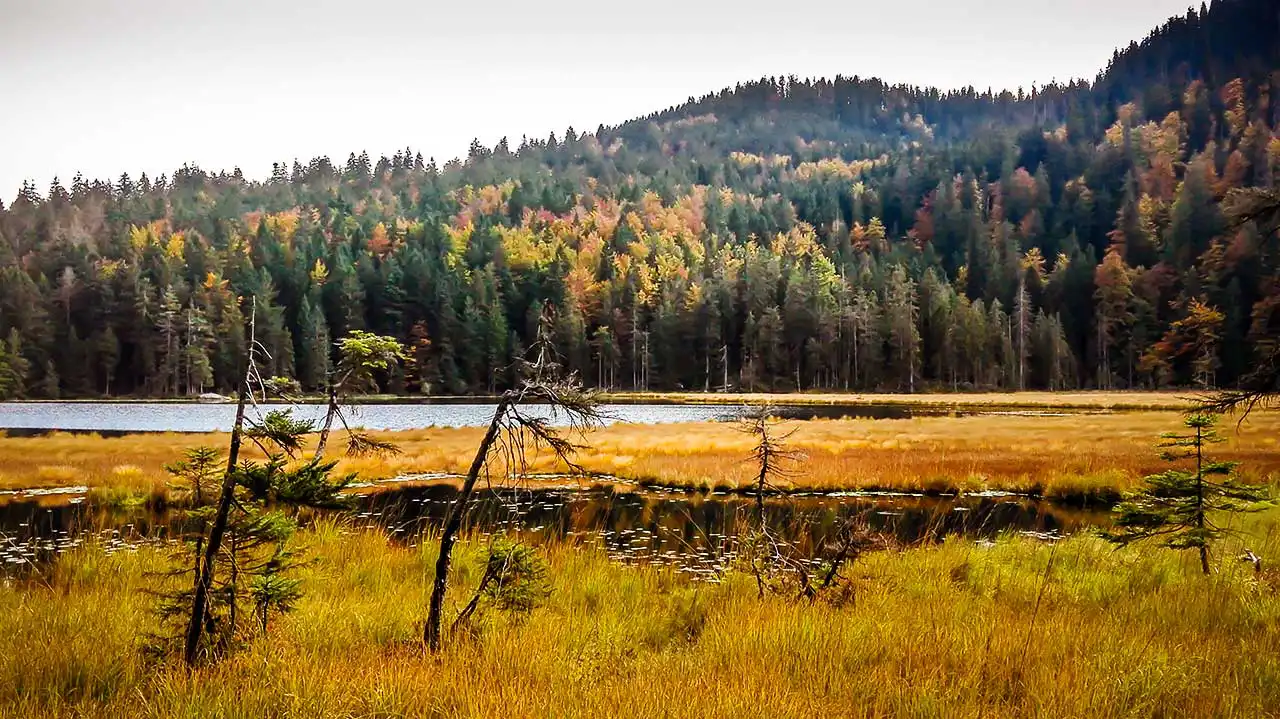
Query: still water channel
[{"x": 692, "y": 531}]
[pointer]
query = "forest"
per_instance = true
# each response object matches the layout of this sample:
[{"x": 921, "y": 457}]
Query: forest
[{"x": 785, "y": 234}]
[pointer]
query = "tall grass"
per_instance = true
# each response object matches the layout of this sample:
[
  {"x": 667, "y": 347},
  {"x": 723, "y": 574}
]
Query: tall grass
[
  {"x": 1071, "y": 456},
  {"x": 1020, "y": 628},
  {"x": 1086, "y": 399}
]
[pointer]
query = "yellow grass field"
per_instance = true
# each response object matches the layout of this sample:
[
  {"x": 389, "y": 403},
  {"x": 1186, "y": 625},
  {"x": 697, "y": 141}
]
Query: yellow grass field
[
  {"x": 1070, "y": 456},
  {"x": 1044, "y": 454},
  {"x": 1018, "y": 629},
  {"x": 1172, "y": 399}
]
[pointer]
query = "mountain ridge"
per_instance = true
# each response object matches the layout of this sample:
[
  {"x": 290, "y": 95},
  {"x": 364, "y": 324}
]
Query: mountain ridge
[{"x": 782, "y": 234}]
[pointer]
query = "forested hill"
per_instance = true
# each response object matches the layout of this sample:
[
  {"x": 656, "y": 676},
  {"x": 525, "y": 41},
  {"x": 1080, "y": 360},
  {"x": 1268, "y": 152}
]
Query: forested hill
[{"x": 783, "y": 234}]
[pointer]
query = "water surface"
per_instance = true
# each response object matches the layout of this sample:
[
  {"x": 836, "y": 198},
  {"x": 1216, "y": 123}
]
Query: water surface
[
  {"x": 192, "y": 417},
  {"x": 693, "y": 531}
]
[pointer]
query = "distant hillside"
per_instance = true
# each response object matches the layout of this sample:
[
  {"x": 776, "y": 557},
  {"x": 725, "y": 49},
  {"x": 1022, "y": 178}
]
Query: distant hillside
[{"x": 781, "y": 234}]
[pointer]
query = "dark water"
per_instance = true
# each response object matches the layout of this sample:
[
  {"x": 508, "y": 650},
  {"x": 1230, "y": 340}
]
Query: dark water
[
  {"x": 695, "y": 532},
  {"x": 122, "y": 417}
]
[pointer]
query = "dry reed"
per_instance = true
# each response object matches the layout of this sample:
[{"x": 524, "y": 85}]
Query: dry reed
[{"x": 1067, "y": 456}]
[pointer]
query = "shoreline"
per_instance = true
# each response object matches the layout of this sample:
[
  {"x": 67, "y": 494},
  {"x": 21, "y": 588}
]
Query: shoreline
[
  {"x": 1084, "y": 457},
  {"x": 1095, "y": 499},
  {"x": 1124, "y": 400}
]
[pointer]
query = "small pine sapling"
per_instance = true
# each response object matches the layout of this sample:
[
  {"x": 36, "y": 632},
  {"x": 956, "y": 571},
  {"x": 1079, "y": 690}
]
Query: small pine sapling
[
  {"x": 1179, "y": 507},
  {"x": 514, "y": 581}
]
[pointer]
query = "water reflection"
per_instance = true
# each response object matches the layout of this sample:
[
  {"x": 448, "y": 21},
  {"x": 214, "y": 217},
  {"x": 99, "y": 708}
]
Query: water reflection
[{"x": 695, "y": 532}]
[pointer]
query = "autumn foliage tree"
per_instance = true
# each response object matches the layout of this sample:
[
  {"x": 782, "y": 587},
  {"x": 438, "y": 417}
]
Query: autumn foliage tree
[{"x": 766, "y": 236}]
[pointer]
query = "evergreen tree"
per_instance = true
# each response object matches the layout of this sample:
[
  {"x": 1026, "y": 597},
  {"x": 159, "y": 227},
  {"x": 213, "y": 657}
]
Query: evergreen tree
[
  {"x": 107, "y": 349},
  {"x": 14, "y": 368},
  {"x": 679, "y": 235},
  {"x": 313, "y": 360},
  {"x": 1180, "y": 507},
  {"x": 901, "y": 319}
]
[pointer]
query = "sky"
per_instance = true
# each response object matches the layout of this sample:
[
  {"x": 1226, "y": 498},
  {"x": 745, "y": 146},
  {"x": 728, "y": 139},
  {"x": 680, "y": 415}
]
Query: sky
[{"x": 110, "y": 86}]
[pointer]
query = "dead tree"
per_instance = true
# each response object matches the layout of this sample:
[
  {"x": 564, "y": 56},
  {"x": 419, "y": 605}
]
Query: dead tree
[
  {"x": 771, "y": 457},
  {"x": 513, "y": 434},
  {"x": 205, "y": 569},
  {"x": 770, "y": 557},
  {"x": 279, "y": 436},
  {"x": 855, "y": 538}
]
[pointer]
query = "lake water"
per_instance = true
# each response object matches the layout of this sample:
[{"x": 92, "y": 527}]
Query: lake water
[
  {"x": 191, "y": 417},
  {"x": 692, "y": 531},
  {"x": 113, "y": 417}
]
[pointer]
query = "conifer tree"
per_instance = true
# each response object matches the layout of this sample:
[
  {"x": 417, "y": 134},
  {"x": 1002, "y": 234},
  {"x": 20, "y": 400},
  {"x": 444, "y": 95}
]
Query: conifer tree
[
  {"x": 1181, "y": 507},
  {"x": 14, "y": 368},
  {"x": 901, "y": 317},
  {"x": 107, "y": 350}
]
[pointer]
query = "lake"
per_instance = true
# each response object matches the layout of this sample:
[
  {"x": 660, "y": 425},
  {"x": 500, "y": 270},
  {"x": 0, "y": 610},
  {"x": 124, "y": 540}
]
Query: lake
[{"x": 192, "y": 417}]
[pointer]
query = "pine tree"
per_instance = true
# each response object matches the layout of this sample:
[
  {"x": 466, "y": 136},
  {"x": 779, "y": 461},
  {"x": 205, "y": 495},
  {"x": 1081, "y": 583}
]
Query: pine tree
[
  {"x": 197, "y": 368},
  {"x": 1114, "y": 312},
  {"x": 313, "y": 361},
  {"x": 865, "y": 319},
  {"x": 168, "y": 328},
  {"x": 107, "y": 349},
  {"x": 50, "y": 387},
  {"x": 901, "y": 317},
  {"x": 1194, "y": 219},
  {"x": 1180, "y": 507},
  {"x": 14, "y": 368}
]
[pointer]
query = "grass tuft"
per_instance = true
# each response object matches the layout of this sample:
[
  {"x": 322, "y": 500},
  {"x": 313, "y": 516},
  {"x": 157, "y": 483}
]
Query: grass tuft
[{"x": 957, "y": 629}]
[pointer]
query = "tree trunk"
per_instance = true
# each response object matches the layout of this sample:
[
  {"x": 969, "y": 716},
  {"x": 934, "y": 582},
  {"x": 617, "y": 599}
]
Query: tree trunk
[
  {"x": 449, "y": 535},
  {"x": 204, "y": 583},
  {"x": 328, "y": 422},
  {"x": 1204, "y": 551},
  {"x": 470, "y": 609}
]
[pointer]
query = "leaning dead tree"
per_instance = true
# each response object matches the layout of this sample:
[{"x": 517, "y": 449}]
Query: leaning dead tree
[
  {"x": 242, "y": 533},
  {"x": 854, "y": 539},
  {"x": 772, "y": 458},
  {"x": 205, "y": 568},
  {"x": 512, "y": 435}
]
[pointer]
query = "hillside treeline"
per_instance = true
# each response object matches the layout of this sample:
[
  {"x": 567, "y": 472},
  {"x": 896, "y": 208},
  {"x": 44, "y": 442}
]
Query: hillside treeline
[{"x": 783, "y": 234}]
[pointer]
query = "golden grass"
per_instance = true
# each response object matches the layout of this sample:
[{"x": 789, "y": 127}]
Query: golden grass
[
  {"x": 1115, "y": 400},
  {"x": 1056, "y": 456},
  {"x": 1068, "y": 456},
  {"x": 1021, "y": 629}
]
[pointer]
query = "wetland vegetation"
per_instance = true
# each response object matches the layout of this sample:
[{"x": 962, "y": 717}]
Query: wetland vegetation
[
  {"x": 1018, "y": 627},
  {"x": 976, "y": 604},
  {"x": 1064, "y": 456},
  {"x": 985, "y": 488}
]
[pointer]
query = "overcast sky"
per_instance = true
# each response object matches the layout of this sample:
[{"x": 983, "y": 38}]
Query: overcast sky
[{"x": 105, "y": 86}]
